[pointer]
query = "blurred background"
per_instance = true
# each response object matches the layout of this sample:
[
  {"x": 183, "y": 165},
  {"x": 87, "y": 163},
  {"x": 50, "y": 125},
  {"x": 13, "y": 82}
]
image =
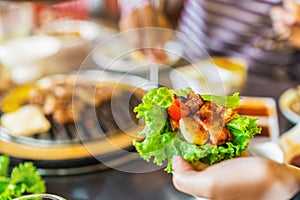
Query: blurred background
[{"x": 252, "y": 47}]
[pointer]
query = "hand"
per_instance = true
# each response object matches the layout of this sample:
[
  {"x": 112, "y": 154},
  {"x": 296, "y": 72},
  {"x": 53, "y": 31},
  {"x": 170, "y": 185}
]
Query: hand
[
  {"x": 146, "y": 17},
  {"x": 286, "y": 21},
  {"x": 238, "y": 178}
]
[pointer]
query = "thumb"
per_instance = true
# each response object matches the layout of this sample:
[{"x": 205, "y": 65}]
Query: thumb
[
  {"x": 180, "y": 165},
  {"x": 186, "y": 179}
]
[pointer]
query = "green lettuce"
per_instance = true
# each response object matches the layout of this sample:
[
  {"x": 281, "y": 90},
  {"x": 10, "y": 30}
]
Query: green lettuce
[
  {"x": 24, "y": 179},
  {"x": 228, "y": 101},
  {"x": 161, "y": 144}
]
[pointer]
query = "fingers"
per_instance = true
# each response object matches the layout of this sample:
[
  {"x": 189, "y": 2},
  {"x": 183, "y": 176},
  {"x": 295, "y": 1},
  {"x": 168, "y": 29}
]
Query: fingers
[
  {"x": 180, "y": 165},
  {"x": 190, "y": 181},
  {"x": 281, "y": 15},
  {"x": 293, "y": 7}
]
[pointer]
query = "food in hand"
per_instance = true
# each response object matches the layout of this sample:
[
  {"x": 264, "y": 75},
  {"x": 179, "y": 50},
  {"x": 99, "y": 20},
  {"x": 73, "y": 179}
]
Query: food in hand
[{"x": 200, "y": 128}]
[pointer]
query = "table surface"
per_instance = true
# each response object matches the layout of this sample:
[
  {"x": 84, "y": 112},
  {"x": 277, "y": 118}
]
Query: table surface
[{"x": 112, "y": 184}]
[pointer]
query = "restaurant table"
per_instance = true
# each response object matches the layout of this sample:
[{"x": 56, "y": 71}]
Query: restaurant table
[{"x": 110, "y": 184}]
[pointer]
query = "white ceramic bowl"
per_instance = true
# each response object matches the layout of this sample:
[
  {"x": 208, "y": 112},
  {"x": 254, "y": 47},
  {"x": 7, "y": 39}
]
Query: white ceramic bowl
[
  {"x": 124, "y": 53},
  {"x": 284, "y": 104},
  {"x": 205, "y": 76},
  {"x": 24, "y": 56}
]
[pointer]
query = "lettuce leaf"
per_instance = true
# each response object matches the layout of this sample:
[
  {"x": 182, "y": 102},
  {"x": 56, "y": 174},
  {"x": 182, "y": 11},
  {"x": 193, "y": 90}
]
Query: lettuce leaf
[
  {"x": 24, "y": 179},
  {"x": 4, "y": 165},
  {"x": 162, "y": 97},
  {"x": 228, "y": 101},
  {"x": 162, "y": 144}
]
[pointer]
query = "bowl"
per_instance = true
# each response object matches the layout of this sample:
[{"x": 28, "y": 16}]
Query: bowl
[
  {"x": 77, "y": 38},
  {"x": 219, "y": 75},
  {"x": 287, "y": 98},
  {"x": 125, "y": 52},
  {"x": 290, "y": 143},
  {"x": 31, "y": 51}
]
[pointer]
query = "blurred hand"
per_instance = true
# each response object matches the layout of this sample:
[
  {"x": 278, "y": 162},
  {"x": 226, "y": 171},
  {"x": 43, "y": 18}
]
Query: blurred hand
[
  {"x": 146, "y": 17},
  {"x": 239, "y": 178},
  {"x": 286, "y": 21}
]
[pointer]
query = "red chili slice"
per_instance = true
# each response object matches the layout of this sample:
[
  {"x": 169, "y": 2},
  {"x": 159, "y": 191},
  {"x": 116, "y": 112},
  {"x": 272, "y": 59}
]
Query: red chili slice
[{"x": 178, "y": 110}]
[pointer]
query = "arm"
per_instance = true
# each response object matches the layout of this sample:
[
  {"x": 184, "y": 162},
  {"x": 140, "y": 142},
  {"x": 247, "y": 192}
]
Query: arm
[
  {"x": 128, "y": 6},
  {"x": 139, "y": 14},
  {"x": 247, "y": 177}
]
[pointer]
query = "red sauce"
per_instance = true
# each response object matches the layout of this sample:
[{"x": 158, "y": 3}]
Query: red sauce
[
  {"x": 258, "y": 110},
  {"x": 295, "y": 161},
  {"x": 265, "y": 131}
]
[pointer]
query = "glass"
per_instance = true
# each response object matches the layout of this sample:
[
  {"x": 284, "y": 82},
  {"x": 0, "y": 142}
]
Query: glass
[{"x": 16, "y": 20}]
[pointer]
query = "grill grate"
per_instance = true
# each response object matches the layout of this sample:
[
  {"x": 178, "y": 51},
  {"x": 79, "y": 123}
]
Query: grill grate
[{"x": 91, "y": 127}]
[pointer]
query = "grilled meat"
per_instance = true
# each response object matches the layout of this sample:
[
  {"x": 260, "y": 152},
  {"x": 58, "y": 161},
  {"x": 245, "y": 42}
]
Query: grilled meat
[{"x": 205, "y": 122}]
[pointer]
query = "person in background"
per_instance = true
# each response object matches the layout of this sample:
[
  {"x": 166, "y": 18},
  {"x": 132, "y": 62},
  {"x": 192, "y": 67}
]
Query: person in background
[
  {"x": 286, "y": 21},
  {"x": 223, "y": 28}
]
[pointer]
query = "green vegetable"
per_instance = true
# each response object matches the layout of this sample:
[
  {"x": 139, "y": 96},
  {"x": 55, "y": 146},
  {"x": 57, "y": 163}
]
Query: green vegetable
[
  {"x": 24, "y": 180},
  {"x": 162, "y": 144},
  {"x": 228, "y": 101},
  {"x": 4, "y": 165}
]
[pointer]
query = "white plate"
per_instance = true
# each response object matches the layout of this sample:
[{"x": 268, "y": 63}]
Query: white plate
[
  {"x": 284, "y": 104},
  {"x": 266, "y": 148},
  {"x": 121, "y": 53},
  {"x": 88, "y": 30}
]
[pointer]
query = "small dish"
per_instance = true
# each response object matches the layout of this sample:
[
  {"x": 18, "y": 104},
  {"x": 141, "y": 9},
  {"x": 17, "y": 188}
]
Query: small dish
[
  {"x": 218, "y": 75},
  {"x": 285, "y": 101},
  {"x": 264, "y": 108},
  {"x": 290, "y": 144}
]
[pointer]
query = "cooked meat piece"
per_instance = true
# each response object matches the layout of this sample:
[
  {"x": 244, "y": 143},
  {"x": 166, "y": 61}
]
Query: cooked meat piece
[
  {"x": 229, "y": 114},
  {"x": 211, "y": 113},
  {"x": 220, "y": 137},
  {"x": 215, "y": 117},
  {"x": 87, "y": 95},
  {"x": 194, "y": 102},
  {"x": 36, "y": 97},
  {"x": 50, "y": 104},
  {"x": 61, "y": 116},
  {"x": 104, "y": 92},
  {"x": 181, "y": 98},
  {"x": 193, "y": 132},
  {"x": 62, "y": 91}
]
